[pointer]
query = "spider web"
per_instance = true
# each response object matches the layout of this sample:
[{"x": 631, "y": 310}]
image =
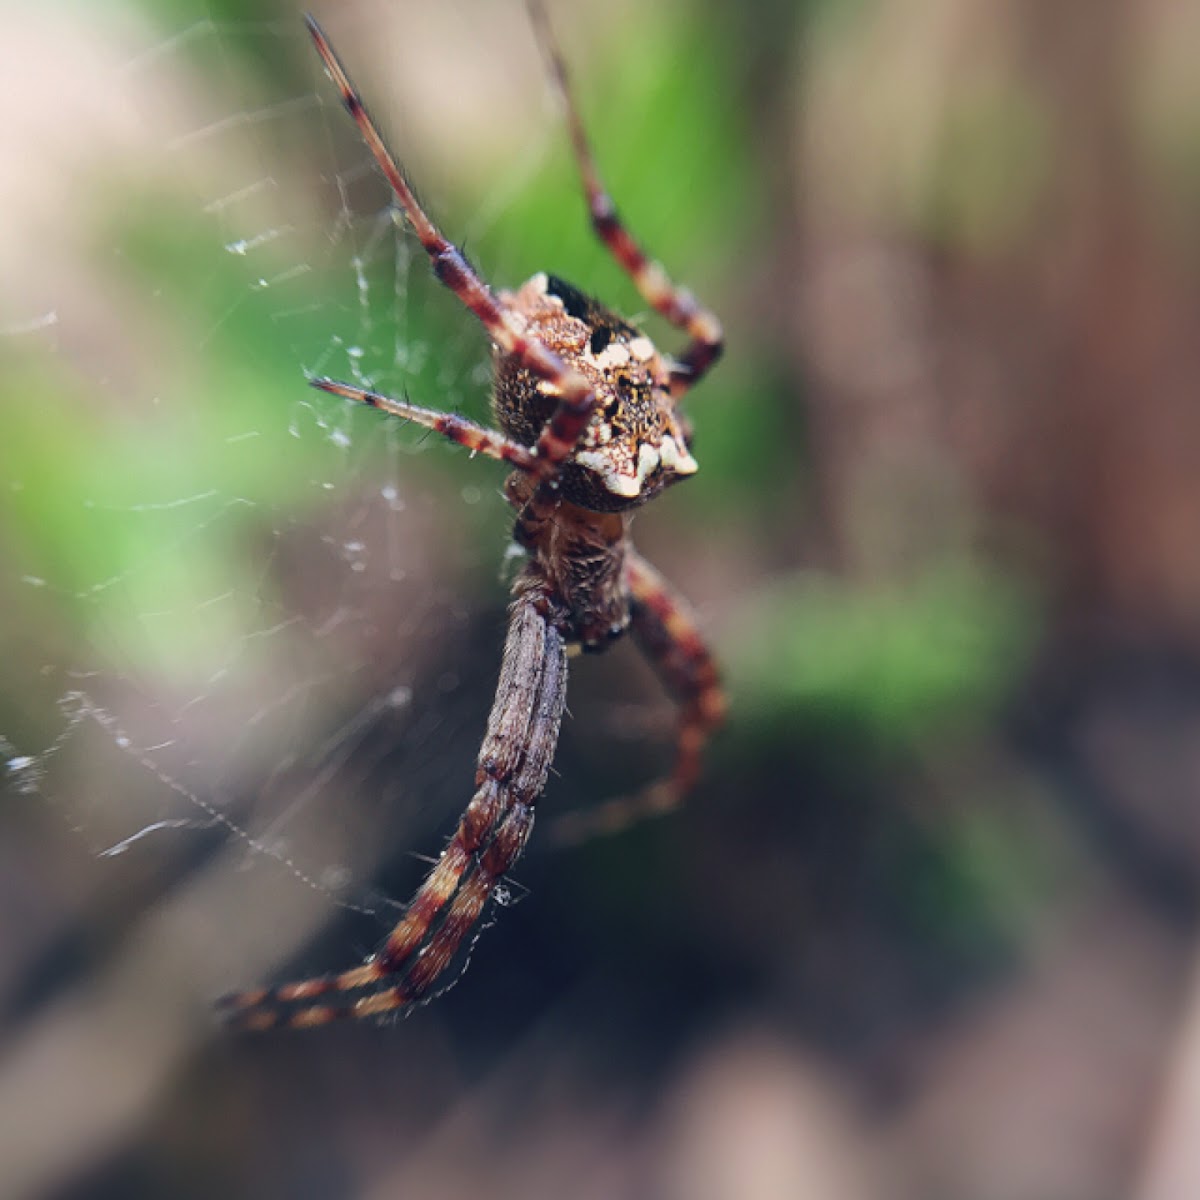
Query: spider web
[{"x": 243, "y": 619}]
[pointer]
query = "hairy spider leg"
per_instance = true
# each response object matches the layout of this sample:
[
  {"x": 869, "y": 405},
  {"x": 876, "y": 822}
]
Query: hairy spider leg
[
  {"x": 577, "y": 399},
  {"x": 668, "y": 634},
  {"x": 476, "y": 438},
  {"x": 650, "y": 278},
  {"x": 514, "y": 761}
]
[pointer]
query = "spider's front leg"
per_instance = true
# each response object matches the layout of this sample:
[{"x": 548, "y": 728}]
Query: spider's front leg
[
  {"x": 513, "y": 763},
  {"x": 667, "y": 632}
]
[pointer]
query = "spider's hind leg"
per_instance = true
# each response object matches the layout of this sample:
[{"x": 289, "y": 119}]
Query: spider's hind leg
[
  {"x": 476, "y": 438},
  {"x": 650, "y": 278},
  {"x": 576, "y": 396}
]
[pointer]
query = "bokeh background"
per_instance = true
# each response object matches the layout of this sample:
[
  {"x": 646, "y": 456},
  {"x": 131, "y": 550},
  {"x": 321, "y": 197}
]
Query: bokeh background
[{"x": 928, "y": 927}]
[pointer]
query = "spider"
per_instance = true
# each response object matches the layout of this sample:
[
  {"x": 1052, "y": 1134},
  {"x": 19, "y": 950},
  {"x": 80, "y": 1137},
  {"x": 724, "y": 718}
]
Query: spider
[{"x": 589, "y": 419}]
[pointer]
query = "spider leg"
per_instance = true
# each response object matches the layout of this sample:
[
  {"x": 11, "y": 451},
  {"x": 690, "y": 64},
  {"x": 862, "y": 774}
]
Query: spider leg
[
  {"x": 650, "y": 278},
  {"x": 476, "y": 438},
  {"x": 668, "y": 633},
  {"x": 576, "y": 396},
  {"x": 513, "y": 764}
]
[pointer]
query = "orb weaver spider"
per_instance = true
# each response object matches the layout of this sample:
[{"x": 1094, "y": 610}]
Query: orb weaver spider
[{"x": 589, "y": 419}]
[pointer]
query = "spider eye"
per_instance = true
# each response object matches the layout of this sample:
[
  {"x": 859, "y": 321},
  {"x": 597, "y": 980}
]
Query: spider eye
[{"x": 601, "y": 336}]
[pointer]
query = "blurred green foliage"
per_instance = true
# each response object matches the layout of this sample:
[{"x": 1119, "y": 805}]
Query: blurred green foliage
[{"x": 897, "y": 664}]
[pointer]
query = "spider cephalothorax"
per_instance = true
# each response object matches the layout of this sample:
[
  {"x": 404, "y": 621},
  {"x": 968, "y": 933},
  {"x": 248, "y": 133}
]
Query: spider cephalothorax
[{"x": 587, "y": 409}]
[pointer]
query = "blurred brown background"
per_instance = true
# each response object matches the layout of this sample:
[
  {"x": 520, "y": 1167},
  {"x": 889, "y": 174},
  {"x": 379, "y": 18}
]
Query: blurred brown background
[{"x": 928, "y": 927}]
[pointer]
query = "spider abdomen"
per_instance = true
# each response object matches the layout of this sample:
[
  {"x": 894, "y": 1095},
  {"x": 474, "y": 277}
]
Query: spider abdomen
[{"x": 635, "y": 444}]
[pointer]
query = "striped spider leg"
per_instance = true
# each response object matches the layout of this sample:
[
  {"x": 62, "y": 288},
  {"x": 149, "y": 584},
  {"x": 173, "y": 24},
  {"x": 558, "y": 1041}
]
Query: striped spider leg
[
  {"x": 588, "y": 420},
  {"x": 677, "y": 304}
]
